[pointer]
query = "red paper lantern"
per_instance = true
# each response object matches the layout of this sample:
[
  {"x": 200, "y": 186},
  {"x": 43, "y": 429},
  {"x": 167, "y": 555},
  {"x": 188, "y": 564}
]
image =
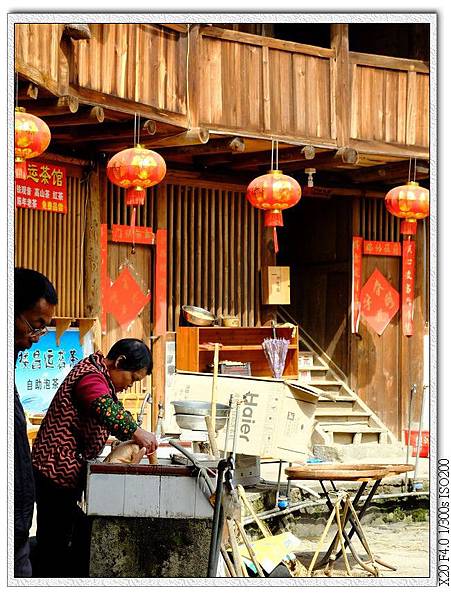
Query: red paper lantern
[
  {"x": 31, "y": 138},
  {"x": 136, "y": 169},
  {"x": 273, "y": 193},
  {"x": 409, "y": 202}
]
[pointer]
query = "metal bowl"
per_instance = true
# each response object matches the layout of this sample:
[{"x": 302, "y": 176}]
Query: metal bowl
[
  {"x": 197, "y": 422},
  {"x": 201, "y": 409},
  {"x": 197, "y": 316}
]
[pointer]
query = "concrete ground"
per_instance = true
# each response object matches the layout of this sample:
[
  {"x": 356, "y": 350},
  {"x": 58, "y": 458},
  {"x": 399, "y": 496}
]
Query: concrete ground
[
  {"x": 404, "y": 546},
  {"x": 402, "y": 543},
  {"x": 397, "y": 529}
]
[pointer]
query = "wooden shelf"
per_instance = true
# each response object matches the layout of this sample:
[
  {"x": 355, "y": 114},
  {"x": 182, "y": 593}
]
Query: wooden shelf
[
  {"x": 225, "y": 348},
  {"x": 237, "y": 344}
]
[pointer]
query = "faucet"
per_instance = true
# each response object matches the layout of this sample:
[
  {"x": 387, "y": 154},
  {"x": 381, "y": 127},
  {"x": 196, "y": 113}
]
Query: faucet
[{"x": 146, "y": 400}]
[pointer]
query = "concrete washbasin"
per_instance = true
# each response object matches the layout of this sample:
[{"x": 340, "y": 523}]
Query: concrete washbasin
[{"x": 142, "y": 490}]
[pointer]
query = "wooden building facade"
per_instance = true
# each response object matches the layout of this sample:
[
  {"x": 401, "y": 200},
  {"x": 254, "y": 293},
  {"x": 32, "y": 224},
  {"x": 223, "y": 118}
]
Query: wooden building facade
[{"x": 357, "y": 119}]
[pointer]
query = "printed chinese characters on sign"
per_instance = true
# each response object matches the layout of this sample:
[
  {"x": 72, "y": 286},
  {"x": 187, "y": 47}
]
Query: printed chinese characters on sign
[
  {"x": 41, "y": 369},
  {"x": 379, "y": 302},
  {"x": 44, "y": 188}
]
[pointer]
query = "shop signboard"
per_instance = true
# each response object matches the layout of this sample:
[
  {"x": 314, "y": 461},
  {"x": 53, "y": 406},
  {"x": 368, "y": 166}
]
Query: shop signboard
[
  {"x": 45, "y": 188},
  {"x": 41, "y": 369}
]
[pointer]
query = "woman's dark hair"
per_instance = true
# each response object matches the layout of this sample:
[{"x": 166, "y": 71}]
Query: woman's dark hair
[
  {"x": 137, "y": 355},
  {"x": 29, "y": 287}
]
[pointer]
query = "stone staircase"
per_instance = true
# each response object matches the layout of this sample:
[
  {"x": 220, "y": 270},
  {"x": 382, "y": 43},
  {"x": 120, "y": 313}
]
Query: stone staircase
[
  {"x": 341, "y": 417},
  {"x": 345, "y": 428}
]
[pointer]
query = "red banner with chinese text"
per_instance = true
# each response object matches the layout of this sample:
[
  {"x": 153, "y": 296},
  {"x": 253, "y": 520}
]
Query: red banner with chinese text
[
  {"x": 45, "y": 188},
  {"x": 408, "y": 286},
  {"x": 382, "y": 248},
  {"x": 124, "y": 234},
  {"x": 380, "y": 302},
  {"x": 357, "y": 246}
]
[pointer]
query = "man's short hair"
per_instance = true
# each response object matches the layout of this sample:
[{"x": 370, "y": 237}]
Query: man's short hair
[{"x": 29, "y": 287}]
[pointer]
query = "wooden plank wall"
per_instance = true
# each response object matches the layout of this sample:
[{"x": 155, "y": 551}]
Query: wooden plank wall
[
  {"x": 138, "y": 62},
  {"x": 385, "y": 367},
  {"x": 140, "y": 265},
  {"x": 246, "y": 83},
  {"x": 38, "y": 54},
  {"x": 53, "y": 244},
  {"x": 252, "y": 83},
  {"x": 390, "y": 102},
  {"x": 214, "y": 253}
]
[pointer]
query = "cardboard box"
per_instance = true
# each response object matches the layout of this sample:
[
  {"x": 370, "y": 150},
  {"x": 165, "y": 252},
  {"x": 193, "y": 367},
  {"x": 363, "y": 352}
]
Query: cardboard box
[
  {"x": 276, "y": 285},
  {"x": 275, "y": 418}
]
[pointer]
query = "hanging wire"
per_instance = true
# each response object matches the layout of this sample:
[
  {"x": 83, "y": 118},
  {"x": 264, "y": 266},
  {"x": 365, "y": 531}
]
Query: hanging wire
[
  {"x": 138, "y": 134},
  {"x": 277, "y": 154},
  {"x": 415, "y": 170},
  {"x": 272, "y": 154},
  {"x": 410, "y": 162},
  {"x": 17, "y": 89}
]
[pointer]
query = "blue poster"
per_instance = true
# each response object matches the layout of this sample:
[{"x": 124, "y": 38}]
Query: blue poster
[{"x": 41, "y": 369}]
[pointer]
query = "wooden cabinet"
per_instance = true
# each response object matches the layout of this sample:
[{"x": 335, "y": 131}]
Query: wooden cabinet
[{"x": 238, "y": 344}]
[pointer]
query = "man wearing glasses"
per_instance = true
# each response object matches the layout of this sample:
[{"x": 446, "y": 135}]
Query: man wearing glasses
[{"x": 34, "y": 306}]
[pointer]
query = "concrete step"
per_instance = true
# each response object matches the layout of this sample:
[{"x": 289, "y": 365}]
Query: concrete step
[
  {"x": 334, "y": 398},
  {"x": 337, "y": 410},
  {"x": 350, "y": 408},
  {"x": 328, "y": 383},
  {"x": 369, "y": 453},
  {"x": 349, "y": 427}
]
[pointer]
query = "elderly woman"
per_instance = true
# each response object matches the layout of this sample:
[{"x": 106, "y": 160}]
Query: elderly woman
[{"x": 83, "y": 413}]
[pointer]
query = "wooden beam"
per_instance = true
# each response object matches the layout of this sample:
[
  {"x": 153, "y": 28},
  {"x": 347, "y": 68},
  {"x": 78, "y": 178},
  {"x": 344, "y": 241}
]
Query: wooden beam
[
  {"x": 348, "y": 156},
  {"x": 107, "y": 101},
  {"x": 193, "y": 76},
  {"x": 86, "y": 116},
  {"x": 340, "y": 46},
  {"x": 388, "y": 62},
  {"x": 269, "y": 42},
  {"x": 213, "y": 146},
  {"x": 35, "y": 76},
  {"x": 389, "y": 172},
  {"x": 286, "y": 157},
  {"x": 106, "y": 131},
  {"x": 393, "y": 150},
  {"x": 31, "y": 91},
  {"x": 193, "y": 136},
  {"x": 92, "y": 282},
  {"x": 51, "y": 107},
  {"x": 150, "y": 127},
  {"x": 180, "y": 27}
]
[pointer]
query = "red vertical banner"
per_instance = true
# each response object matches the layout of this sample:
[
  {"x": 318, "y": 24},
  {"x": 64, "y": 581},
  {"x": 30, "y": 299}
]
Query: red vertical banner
[
  {"x": 408, "y": 286},
  {"x": 357, "y": 252},
  {"x": 104, "y": 281},
  {"x": 160, "y": 282}
]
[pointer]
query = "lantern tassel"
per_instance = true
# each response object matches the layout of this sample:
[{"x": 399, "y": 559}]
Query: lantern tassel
[
  {"x": 133, "y": 225},
  {"x": 276, "y": 243},
  {"x": 20, "y": 169},
  {"x": 135, "y": 195}
]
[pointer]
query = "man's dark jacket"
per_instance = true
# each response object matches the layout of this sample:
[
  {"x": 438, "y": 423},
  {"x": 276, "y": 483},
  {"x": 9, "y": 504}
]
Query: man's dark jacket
[{"x": 23, "y": 476}]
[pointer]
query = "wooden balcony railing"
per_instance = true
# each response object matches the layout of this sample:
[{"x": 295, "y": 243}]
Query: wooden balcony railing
[{"x": 235, "y": 82}]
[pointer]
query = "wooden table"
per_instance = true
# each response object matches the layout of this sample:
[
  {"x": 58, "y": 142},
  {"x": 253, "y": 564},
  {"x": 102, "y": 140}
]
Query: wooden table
[{"x": 362, "y": 473}]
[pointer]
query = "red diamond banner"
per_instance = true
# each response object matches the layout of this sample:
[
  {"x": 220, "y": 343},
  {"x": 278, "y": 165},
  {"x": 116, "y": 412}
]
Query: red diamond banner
[
  {"x": 126, "y": 299},
  {"x": 379, "y": 302}
]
